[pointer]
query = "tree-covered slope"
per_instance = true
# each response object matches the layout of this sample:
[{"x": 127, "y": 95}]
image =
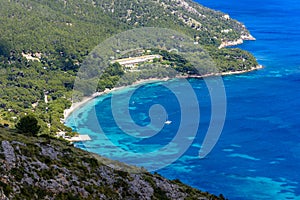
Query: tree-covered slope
[
  {"x": 45, "y": 26},
  {"x": 43, "y": 44},
  {"x": 206, "y": 25},
  {"x": 51, "y": 28},
  {"x": 44, "y": 168}
]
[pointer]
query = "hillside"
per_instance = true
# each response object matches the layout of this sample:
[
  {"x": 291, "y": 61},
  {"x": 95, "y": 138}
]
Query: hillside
[
  {"x": 78, "y": 26},
  {"x": 43, "y": 44},
  {"x": 44, "y": 168}
]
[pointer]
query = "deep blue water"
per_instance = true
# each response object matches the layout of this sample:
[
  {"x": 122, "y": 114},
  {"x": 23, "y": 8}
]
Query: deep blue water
[{"x": 258, "y": 154}]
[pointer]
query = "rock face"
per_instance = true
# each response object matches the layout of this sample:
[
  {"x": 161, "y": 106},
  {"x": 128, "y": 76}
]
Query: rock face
[
  {"x": 236, "y": 42},
  {"x": 10, "y": 158},
  {"x": 44, "y": 168}
]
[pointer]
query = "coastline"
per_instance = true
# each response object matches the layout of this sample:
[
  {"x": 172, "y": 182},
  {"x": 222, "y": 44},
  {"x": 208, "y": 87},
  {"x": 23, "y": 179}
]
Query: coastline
[
  {"x": 77, "y": 105},
  {"x": 239, "y": 41}
]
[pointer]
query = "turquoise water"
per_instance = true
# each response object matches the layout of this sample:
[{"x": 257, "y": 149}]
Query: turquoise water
[{"x": 258, "y": 154}]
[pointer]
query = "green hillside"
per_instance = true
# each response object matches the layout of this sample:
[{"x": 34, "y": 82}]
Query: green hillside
[
  {"x": 77, "y": 26},
  {"x": 43, "y": 44}
]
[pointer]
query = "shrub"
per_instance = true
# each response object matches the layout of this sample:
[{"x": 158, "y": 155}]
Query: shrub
[{"x": 28, "y": 125}]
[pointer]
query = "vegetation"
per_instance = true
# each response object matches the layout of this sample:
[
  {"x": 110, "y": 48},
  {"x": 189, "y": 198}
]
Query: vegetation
[
  {"x": 172, "y": 64},
  {"x": 110, "y": 77},
  {"x": 232, "y": 59},
  {"x": 28, "y": 125},
  {"x": 43, "y": 44},
  {"x": 46, "y": 168}
]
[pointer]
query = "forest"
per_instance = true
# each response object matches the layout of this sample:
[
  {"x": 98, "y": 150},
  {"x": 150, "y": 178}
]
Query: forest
[{"x": 44, "y": 43}]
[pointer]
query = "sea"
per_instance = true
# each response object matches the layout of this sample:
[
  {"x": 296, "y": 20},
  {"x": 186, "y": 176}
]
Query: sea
[{"x": 258, "y": 153}]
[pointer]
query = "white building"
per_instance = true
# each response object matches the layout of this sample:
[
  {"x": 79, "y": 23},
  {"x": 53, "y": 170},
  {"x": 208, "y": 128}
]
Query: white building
[{"x": 130, "y": 62}]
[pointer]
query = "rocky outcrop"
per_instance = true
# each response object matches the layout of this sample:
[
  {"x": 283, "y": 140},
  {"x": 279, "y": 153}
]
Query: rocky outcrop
[
  {"x": 10, "y": 158},
  {"x": 236, "y": 42},
  {"x": 43, "y": 168}
]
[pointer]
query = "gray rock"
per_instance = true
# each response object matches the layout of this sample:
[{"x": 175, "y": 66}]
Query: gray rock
[
  {"x": 9, "y": 154},
  {"x": 172, "y": 190},
  {"x": 140, "y": 187},
  {"x": 49, "y": 151},
  {"x": 27, "y": 180},
  {"x": 39, "y": 165}
]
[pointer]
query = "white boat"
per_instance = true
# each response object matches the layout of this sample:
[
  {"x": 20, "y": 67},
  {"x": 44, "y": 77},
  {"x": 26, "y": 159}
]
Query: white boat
[{"x": 168, "y": 122}]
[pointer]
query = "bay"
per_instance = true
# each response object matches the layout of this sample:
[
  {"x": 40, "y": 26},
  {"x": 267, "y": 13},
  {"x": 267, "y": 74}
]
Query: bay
[{"x": 258, "y": 154}]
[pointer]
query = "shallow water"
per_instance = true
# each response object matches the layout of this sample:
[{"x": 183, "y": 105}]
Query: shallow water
[{"x": 258, "y": 154}]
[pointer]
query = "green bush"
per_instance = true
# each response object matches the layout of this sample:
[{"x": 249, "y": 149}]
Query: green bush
[{"x": 28, "y": 125}]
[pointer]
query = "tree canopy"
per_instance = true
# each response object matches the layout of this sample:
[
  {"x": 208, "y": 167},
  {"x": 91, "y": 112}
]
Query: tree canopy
[
  {"x": 28, "y": 125},
  {"x": 44, "y": 43}
]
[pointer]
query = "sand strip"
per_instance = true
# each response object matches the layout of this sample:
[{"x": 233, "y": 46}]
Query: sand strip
[{"x": 78, "y": 105}]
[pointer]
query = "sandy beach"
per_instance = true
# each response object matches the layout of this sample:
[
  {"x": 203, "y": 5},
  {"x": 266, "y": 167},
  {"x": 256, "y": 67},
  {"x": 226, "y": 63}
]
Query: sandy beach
[{"x": 78, "y": 105}]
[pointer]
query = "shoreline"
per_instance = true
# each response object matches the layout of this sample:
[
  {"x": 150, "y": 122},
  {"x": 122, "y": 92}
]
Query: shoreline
[
  {"x": 77, "y": 105},
  {"x": 236, "y": 42}
]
